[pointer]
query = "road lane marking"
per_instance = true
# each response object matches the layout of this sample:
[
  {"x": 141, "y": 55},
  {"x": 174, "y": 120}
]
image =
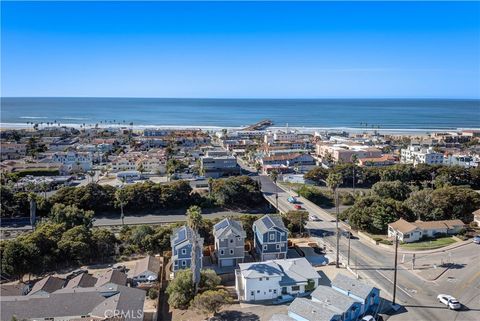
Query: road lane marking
[{"x": 388, "y": 279}]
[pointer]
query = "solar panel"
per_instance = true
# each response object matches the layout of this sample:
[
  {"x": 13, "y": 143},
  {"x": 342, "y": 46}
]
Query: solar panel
[
  {"x": 181, "y": 235},
  {"x": 221, "y": 225},
  {"x": 267, "y": 221}
]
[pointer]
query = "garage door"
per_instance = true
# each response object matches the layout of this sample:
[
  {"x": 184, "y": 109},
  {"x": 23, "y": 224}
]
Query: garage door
[
  {"x": 228, "y": 262},
  {"x": 269, "y": 256}
]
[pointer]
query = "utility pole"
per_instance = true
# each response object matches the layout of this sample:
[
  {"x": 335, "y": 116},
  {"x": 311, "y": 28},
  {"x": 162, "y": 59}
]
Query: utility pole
[
  {"x": 348, "y": 255},
  {"x": 338, "y": 231},
  {"x": 395, "y": 270}
]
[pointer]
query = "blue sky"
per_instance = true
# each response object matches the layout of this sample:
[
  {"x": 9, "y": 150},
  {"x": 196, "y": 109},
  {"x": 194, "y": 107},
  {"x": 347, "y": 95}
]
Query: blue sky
[{"x": 241, "y": 50}]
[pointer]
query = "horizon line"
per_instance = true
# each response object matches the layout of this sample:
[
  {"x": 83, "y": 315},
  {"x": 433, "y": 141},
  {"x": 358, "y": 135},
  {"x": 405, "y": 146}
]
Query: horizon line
[{"x": 255, "y": 98}]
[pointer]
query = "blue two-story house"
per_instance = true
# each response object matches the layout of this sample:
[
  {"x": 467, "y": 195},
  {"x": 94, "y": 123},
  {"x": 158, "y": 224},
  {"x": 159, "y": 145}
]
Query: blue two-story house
[
  {"x": 181, "y": 242},
  {"x": 270, "y": 238}
]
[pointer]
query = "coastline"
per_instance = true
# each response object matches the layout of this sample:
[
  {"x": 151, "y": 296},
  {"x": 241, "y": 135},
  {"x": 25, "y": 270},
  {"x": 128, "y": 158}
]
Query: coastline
[{"x": 396, "y": 131}]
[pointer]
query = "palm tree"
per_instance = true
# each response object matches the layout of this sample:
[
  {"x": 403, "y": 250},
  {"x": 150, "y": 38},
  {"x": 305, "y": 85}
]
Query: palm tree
[
  {"x": 121, "y": 198},
  {"x": 194, "y": 222},
  {"x": 333, "y": 181},
  {"x": 354, "y": 162},
  {"x": 274, "y": 177}
]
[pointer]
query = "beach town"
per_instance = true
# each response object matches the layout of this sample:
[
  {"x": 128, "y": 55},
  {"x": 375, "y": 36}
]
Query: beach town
[{"x": 265, "y": 204}]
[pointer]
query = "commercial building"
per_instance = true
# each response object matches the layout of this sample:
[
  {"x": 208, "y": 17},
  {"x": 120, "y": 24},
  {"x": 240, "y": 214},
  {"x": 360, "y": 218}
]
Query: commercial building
[{"x": 219, "y": 166}]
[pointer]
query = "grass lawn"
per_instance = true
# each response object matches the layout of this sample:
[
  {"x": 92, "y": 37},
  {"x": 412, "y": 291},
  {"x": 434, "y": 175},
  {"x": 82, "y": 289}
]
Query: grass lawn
[{"x": 429, "y": 245}]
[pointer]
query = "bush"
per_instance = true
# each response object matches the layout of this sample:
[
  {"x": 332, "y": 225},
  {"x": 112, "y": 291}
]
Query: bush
[
  {"x": 152, "y": 293},
  {"x": 386, "y": 242},
  {"x": 347, "y": 199}
]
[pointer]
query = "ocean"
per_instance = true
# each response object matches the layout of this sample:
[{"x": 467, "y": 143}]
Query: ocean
[{"x": 394, "y": 115}]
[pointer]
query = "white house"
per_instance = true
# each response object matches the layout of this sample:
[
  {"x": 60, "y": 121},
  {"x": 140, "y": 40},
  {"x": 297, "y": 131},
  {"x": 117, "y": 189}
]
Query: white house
[
  {"x": 413, "y": 231},
  {"x": 268, "y": 280},
  {"x": 415, "y": 154},
  {"x": 71, "y": 159}
]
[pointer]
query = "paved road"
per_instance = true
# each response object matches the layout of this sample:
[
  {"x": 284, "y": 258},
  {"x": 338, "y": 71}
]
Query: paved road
[
  {"x": 156, "y": 218},
  {"x": 375, "y": 264}
]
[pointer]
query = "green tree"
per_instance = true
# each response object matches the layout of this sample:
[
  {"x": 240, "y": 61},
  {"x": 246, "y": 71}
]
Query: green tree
[
  {"x": 121, "y": 201},
  {"x": 18, "y": 258},
  {"x": 195, "y": 221},
  {"x": 75, "y": 244},
  {"x": 210, "y": 302},
  {"x": 296, "y": 220},
  {"x": 317, "y": 175},
  {"x": 104, "y": 242},
  {"x": 392, "y": 189},
  {"x": 71, "y": 215}
]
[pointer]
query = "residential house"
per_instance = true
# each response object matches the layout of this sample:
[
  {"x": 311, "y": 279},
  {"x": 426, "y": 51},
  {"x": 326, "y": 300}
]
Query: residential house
[
  {"x": 413, "y": 231},
  {"x": 476, "y": 217},
  {"x": 384, "y": 160},
  {"x": 83, "y": 280},
  {"x": 111, "y": 277},
  {"x": 112, "y": 302},
  {"x": 347, "y": 307},
  {"x": 229, "y": 242},
  {"x": 270, "y": 238},
  {"x": 302, "y": 309},
  {"x": 181, "y": 243},
  {"x": 466, "y": 161},
  {"x": 219, "y": 166},
  {"x": 12, "y": 151},
  {"x": 16, "y": 289},
  {"x": 258, "y": 281},
  {"x": 415, "y": 154},
  {"x": 47, "y": 285},
  {"x": 367, "y": 295},
  {"x": 146, "y": 269},
  {"x": 74, "y": 160}
]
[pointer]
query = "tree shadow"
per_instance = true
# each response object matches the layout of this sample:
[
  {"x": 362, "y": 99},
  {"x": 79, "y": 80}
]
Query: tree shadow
[{"x": 235, "y": 316}]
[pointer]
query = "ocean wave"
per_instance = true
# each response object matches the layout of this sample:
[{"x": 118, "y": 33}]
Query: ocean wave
[
  {"x": 74, "y": 118},
  {"x": 33, "y": 117}
]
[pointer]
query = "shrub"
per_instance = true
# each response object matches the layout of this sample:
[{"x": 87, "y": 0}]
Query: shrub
[{"x": 152, "y": 293}]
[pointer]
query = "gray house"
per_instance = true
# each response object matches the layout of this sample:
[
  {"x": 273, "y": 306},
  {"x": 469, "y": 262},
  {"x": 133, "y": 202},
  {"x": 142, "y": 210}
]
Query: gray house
[
  {"x": 229, "y": 242},
  {"x": 181, "y": 242},
  {"x": 270, "y": 237}
]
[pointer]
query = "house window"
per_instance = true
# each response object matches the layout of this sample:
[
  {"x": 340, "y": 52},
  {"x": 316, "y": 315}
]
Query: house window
[
  {"x": 275, "y": 291},
  {"x": 184, "y": 251},
  {"x": 272, "y": 237},
  {"x": 231, "y": 240},
  {"x": 252, "y": 293},
  {"x": 264, "y": 247},
  {"x": 260, "y": 279},
  {"x": 278, "y": 246},
  {"x": 222, "y": 252},
  {"x": 231, "y": 251},
  {"x": 184, "y": 263},
  {"x": 282, "y": 234},
  {"x": 267, "y": 279},
  {"x": 258, "y": 291},
  {"x": 269, "y": 290},
  {"x": 295, "y": 288}
]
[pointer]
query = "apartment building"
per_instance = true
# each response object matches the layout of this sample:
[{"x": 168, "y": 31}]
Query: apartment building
[
  {"x": 12, "y": 151},
  {"x": 74, "y": 160},
  {"x": 219, "y": 166},
  {"x": 415, "y": 154}
]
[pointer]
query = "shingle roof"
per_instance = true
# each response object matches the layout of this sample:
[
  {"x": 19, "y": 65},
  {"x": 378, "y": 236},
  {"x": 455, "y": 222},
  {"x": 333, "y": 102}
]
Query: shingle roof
[
  {"x": 403, "y": 226},
  {"x": 256, "y": 270},
  {"x": 149, "y": 263},
  {"x": 310, "y": 310},
  {"x": 354, "y": 286},
  {"x": 267, "y": 222},
  {"x": 75, "y": 302},
  {"x": 335, "y": 300},
  {"x": 226, "y": 226},
  {"x": 13, "y": 289},
  {"x": 48, "y": 284},
  {"x": 83, "y": 280},
  {"x": 281, "y": 317},
  {"x": 296, "y": 270},
  {"x": 112, "y": 276}
]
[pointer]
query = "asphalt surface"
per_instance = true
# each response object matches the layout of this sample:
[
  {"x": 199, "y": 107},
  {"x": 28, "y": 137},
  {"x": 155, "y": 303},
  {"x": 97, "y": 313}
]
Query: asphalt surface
[{"x": 416, "y": 295}]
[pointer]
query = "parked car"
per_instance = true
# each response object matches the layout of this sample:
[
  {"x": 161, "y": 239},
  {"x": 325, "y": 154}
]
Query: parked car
[
  {"x": 297, "y": 207},
  {"x": 347, "y": 234},
  {"x": 314, "y": 218},
  {"x": 292, "y": 200},
  {"x": 449, "y": 301},
  {"x": 476, "y": 239},
  {"x": 283, "y": 299},
  {"x": 368, "y": 318}
]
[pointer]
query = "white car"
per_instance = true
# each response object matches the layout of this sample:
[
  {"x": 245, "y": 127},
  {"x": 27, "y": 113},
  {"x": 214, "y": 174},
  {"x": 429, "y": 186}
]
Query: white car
[
  {"x": 368, "y": 318},
  {"x": 449, "y": 301}
]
